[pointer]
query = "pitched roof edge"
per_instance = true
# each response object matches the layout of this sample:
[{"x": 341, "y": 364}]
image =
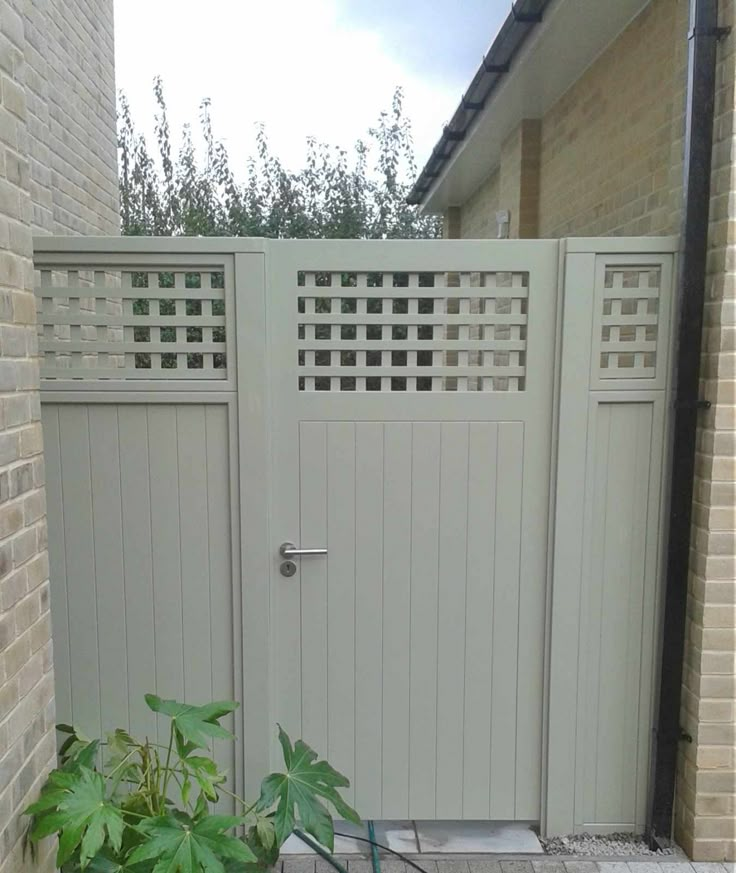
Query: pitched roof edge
[{"x": 524, "y": 16}]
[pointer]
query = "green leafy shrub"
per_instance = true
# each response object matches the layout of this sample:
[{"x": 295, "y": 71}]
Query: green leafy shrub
[
  {"x": 148, "y": 808},
  {"x": 190, "y": 188}
]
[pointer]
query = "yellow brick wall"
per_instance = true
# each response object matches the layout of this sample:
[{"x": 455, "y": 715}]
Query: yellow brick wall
[
  {"x": 513, "y": 186},
  {"x": 610, "y": 155},
  {"x": 610, "y": 145},
  {"x": 519, "y": 179},
  {"x": 27, "y": 741},
  {"x": 57, "y": 174},
  {"x": 70, "y": 95},
  {"x": 478, "y": 215}
]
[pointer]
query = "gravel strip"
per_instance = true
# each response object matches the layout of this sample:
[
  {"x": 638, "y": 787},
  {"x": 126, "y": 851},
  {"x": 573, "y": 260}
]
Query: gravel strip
[{"x": 608, "y": 845}]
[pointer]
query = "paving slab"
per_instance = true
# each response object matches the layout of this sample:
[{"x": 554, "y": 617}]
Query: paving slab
[
  {"x": 613, "y": 867},
  {"x": 398, "y": 835},
  {"x": 477, "y": 837},
  {"x": 344, "y": 845},
  {"x": 548, "y": 865},
  {"x": 321, "y": 865},
  {"x": 516, "y": 867},
  {"x": 484, "y": 865},
  {"x": 581, "y": 867},
  {"x": 394, "y": 865},
  {"x": 298, "y": 865},
  {"x": 316, "y": 864},
  {"x": 359, "y": 865},
  {"x": 451, "y": 865}
]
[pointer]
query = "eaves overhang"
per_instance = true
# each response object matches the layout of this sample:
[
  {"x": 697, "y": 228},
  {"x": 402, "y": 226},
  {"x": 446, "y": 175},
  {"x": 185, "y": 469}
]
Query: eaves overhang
[{"x": 541, "y": 50}]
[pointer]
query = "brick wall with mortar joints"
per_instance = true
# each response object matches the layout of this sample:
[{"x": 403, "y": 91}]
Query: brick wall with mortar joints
[
  {"x": 513, "y": 186},
  {"x": 26, "y": 675},
  {"x": 518, "y": 190},
  {"x": 611, "y": 143},
  {"x": 57, "y": 174},
  {"x": 478, "y": 215},
  {"x": 71, "y": 91},
  {"x": 610, "y": 153}
]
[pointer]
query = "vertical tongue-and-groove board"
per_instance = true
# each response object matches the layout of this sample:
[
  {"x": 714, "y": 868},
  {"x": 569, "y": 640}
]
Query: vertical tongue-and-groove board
[{"x": 411, "y": 403}]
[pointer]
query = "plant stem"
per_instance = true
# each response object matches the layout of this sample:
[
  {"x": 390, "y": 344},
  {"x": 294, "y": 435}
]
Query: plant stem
[
  {"x": 167, "y": 772},
  {"x": 136, "y": 814},
  {"x": 146, "y": 778},
  {"x": 247, "y": 809},
  {"x": 124, "y": 761}
]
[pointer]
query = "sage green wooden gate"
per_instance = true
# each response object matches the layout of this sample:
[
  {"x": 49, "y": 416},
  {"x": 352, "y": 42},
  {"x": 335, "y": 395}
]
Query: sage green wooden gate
[{"x": 475, "y": 434}]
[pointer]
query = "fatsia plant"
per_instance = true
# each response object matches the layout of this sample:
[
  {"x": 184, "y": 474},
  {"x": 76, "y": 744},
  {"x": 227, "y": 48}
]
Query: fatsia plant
[{"x": 148, "y": 808}]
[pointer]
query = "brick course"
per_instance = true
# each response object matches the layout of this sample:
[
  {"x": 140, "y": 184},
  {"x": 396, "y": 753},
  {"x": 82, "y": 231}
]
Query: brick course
[
  {"x": 57, "y": 175},
  {"x": 70, "y": 89},
  {"x": 478, "y": 215}
]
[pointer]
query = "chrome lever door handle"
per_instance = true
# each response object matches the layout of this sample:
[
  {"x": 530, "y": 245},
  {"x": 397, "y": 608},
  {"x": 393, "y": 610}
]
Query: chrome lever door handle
[{"x": 289, "y": 550}]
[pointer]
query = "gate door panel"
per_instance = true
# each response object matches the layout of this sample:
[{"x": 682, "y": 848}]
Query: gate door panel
[{"x": 411, "y": 404}]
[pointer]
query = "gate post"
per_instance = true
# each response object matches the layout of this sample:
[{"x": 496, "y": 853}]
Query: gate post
[
  {"x": 568, "y": 510},
  {"x": 253, "y": 495}
]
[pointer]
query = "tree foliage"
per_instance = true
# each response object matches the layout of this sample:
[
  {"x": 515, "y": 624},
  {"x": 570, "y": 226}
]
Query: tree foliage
[{"x": 337, "y": 194}]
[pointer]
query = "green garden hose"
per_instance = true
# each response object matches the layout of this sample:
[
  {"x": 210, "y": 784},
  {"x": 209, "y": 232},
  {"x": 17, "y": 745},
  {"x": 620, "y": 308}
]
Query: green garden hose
[
  {"x": 313, "y": 844},
  {"x": 374, "y": 848}
]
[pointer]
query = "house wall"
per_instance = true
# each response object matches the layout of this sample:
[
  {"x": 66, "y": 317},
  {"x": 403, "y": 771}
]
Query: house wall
[
  {"x": 610, "y": 163},
  {"x": 71, "y": 116},
  {"x": 611, "y": 150},
  {"x": 478, "y": 215},
  {"x": 57, "y": 174},
  {"x": 519, "y": 179}
]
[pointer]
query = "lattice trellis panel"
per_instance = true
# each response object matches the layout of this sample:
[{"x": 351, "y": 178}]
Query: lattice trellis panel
[
  {"x": 131, "y": 324},
  {"x": 392, "y": 331},
  {"x": 630, "y": 323}
]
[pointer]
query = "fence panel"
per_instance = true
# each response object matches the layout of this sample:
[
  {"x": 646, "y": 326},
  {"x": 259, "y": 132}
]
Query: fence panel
[
  {"x": 476, "y": 432},
  {"x": 608, "y": 532}
]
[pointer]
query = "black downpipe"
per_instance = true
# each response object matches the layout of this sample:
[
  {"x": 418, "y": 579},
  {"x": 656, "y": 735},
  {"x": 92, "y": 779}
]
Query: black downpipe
[{"x": 701, "y": 82}]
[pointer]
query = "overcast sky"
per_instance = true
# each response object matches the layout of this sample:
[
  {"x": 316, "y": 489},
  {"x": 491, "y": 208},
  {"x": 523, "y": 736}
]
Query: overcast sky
[{"x": 322, "y": 68}]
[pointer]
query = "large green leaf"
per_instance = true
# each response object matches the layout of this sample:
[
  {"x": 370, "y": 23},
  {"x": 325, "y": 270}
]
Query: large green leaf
[
  {"x": 267, "y": 855},
  {"x": 182, "y": 846},
  {"x": 45, "y": 816},
  {"x": 107, "y": 862},
  {"x": 85, "y": 816},
  {"x": 123, "y": 756},
  {"x": 50, "y": 799},
  {"x": 195, "y": 724},
  {"x": 266, "y": 832},
  {"x": 74, "y": 805},
  {"x": 118, "y": 749},
  {"x": 78, "y": 752},
  {"x": 298, "y": 791},
  {"x": 205, "y": 772}
]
